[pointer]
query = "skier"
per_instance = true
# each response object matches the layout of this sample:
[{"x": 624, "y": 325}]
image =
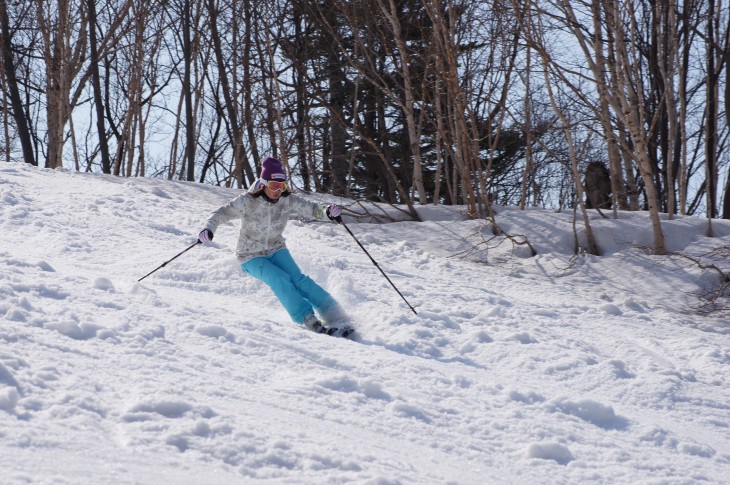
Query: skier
[{"x": 261, "y": 249}]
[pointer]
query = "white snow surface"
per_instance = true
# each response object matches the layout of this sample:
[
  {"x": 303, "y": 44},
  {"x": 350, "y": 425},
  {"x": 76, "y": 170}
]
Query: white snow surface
[{"x": 550, "y": 369}]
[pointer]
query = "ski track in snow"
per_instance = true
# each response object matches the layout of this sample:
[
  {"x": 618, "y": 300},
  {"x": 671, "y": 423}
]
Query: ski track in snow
[{"x": 530, "y": 370}]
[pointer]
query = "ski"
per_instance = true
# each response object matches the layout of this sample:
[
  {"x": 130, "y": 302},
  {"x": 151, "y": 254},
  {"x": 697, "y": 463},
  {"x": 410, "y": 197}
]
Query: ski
[{"x": 343, "y": 332}]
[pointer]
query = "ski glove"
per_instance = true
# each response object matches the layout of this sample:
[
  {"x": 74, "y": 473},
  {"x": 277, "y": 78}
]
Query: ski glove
[
  {"x": 205, "y": 236},
  {"x": 333, "y": 212}
]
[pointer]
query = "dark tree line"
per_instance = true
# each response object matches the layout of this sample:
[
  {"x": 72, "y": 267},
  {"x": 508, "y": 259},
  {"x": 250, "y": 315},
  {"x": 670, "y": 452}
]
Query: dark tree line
[{"x": 401, "y": 101}]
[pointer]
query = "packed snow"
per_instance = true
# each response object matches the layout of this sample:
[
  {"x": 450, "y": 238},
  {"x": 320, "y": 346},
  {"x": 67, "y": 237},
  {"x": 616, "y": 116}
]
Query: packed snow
[{"x": 549, "y": 369}]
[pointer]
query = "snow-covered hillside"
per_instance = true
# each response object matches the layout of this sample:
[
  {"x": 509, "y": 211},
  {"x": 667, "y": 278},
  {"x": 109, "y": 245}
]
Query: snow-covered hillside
[{"x": 543, "y": 370}]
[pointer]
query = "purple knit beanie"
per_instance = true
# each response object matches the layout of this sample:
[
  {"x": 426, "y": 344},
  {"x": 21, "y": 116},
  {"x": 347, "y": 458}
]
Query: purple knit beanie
[{"x": 272, "y": 169}]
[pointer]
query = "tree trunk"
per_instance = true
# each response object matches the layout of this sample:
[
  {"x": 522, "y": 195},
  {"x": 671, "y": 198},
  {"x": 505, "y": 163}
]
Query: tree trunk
[
  {"x": 190, "y": 138},
  {"x": 666, "y": 13},
  {"x": 726, "y": 52},
  {"x": 527, "y": 173},
  {"x": 338, "y": 130},
  {"x": 300, "y": 91},
  {"x": 408, "y": 105},
  {"x": 21, "y": 121},
  {"x": 96, "y": 83},
  {"x": 590, "y": 237},
  {"x": 239, "y": 152},
  {"x": 711, "y": 106},
  {"x": 55, "y": 54},
  {"x": 247, "y": 85}
]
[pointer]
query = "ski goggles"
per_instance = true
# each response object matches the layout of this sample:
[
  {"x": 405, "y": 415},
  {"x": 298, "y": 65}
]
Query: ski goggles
[{"x": 276, "y": 186}]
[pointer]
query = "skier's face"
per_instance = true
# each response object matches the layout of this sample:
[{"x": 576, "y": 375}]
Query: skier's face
[
  {"x": 272, "y": 194},
  {"x": 274, "y": 188}
]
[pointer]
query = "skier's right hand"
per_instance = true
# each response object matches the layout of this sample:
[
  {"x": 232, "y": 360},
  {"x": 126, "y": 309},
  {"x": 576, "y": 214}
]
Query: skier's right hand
[{"x": 205, "y": 236}]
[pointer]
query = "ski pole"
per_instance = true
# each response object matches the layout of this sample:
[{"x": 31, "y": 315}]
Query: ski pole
[
  {"x": 340, "y": 221},
  {"x": 174, "y": 258}
]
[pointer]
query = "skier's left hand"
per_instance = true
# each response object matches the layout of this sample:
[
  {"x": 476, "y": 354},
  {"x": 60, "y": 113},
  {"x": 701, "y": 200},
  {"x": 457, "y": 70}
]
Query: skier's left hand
[
  {"x": 206, "y": 235},
  {"x": 333, "y": 212}
]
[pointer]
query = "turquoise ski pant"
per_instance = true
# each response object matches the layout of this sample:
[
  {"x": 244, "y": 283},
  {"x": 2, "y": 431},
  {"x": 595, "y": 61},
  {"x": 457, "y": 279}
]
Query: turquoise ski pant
[{"x": 299, "y": 294}]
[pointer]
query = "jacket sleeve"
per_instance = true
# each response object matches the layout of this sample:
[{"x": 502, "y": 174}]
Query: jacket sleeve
[
  {"x": 305, "y": 208},
  {"x": 232, "y": 210}
]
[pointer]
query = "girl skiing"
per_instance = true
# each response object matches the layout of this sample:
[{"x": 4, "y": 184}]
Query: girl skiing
[{"x": 261, "y": 249}]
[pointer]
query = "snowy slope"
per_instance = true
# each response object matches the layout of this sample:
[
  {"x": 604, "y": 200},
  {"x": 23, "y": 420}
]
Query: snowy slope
[{"x": 550, "y": 369}]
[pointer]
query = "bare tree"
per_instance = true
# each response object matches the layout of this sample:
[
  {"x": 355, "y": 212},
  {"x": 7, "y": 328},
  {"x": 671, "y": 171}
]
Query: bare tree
[
  {"x": 714, "y": 66},
  {"x": 666, "y": 61},
  {"x": 628, "y": 101},
  {"x": 534, "y": 31},
  {"x": 64, "y": 51},
  {"x": 187, "y": 88},
  {"x": 96, "y": 82},
  {"x": 21, "y": 121},
  {"x": 402, "y": 101},
  {"x": 242, "y": 166},
  {"x": 390, "y": 12},
  {"x": 626, "y": 93}
]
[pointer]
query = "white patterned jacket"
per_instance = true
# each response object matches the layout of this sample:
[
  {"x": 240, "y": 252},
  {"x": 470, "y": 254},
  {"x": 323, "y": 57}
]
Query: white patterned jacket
[{"x": 263, "y": 222}]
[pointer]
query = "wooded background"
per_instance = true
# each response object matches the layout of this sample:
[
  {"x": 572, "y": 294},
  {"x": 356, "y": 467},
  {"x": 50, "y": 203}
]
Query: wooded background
[{"x": 400, "y": 101}]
